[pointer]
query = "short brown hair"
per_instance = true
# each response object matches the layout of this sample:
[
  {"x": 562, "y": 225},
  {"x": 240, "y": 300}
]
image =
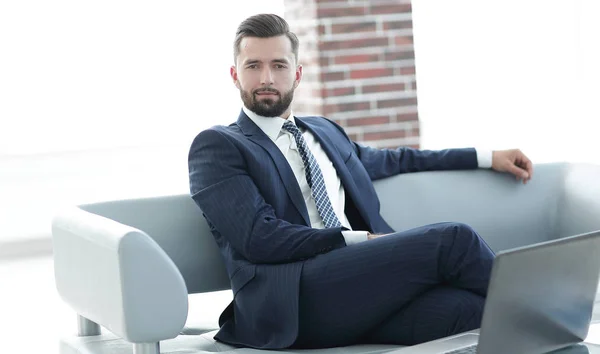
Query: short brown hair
[{"x": 264, "y": 26}]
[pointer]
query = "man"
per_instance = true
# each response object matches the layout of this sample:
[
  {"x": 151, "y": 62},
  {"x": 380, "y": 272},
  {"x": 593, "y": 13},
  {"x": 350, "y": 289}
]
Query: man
[{"x": 291, "y": 204}]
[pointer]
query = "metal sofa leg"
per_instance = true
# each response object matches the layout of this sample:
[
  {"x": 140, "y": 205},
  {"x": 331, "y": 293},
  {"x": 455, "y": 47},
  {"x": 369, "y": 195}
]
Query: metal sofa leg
[
  {"x": 86, "y": 327},
  {"x": 146, "y": 348}
]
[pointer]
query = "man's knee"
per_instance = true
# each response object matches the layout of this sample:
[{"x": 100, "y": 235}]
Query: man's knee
[
  {"x": 466, "y": 238},
  {"x": 462, "y": 232}
]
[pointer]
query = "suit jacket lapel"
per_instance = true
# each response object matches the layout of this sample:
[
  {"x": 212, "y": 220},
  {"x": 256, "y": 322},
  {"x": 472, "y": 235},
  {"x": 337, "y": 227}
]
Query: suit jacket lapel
[
  {"x": 256, "y": 135},
  {"x": 340, "y": 166}
]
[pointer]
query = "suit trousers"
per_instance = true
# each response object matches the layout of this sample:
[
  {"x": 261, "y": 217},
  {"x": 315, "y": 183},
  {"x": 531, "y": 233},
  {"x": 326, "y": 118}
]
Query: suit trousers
[{"x": 405, "y": 288}]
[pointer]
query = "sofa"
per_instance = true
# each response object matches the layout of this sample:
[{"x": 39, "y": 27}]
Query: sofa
[{"x": 128, "y": 268}]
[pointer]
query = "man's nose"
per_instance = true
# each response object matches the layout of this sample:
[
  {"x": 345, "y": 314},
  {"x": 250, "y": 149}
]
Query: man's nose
[{"x": 266, "y": 77}]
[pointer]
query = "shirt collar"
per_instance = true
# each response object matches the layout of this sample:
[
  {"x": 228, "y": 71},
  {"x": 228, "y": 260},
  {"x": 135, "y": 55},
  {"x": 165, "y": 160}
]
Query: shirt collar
[{"x": 271, "y": 126}]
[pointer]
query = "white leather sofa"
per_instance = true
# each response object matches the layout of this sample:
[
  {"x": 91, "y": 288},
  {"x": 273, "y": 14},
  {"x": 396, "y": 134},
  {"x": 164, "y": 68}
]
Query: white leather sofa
[{"x": 127, "y": 267}]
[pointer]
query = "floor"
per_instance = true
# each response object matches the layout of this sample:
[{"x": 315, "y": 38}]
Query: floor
[
  {"x": 33, "y": 317},
  {"x": 31, "y": 308}
]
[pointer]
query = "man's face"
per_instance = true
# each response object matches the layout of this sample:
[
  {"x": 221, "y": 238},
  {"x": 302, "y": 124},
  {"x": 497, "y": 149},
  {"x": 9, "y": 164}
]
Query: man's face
[{"x": 267, "y": 75}]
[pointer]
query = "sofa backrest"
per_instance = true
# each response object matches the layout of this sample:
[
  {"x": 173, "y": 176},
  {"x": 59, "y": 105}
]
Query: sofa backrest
[
  {"x": 503, "y": 211},
  {"x": 506, "y": 213}
]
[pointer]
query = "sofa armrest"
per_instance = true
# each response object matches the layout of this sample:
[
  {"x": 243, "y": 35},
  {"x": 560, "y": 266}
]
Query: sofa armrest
[{"x": 118, "y": 277}]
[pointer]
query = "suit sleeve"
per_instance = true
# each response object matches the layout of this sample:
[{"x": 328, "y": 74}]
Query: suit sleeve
[
  {"x": 382, "y": 163},
  {"x": 233, "y": 206}
]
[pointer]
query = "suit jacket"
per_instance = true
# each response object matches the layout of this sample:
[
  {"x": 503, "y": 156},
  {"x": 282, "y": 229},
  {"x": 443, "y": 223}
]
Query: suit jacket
[{"x": 250, "y": 198}]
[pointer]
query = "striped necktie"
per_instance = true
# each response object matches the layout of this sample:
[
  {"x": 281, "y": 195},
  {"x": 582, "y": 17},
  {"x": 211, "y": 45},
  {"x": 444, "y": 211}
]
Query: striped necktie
[{"x": 314, "y": 177}]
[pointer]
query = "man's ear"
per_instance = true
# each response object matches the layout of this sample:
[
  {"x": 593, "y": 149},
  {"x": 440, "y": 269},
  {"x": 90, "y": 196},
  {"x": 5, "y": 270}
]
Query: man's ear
[
  {"x": 298, "y": 76},
  {"x": 234, "y": 76}
]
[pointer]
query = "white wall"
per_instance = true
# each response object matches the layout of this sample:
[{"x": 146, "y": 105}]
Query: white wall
[
  {"x": 100, "y": 100},
  {"x": 94, "y": 74},
  {"x": 509, "y": 74}
]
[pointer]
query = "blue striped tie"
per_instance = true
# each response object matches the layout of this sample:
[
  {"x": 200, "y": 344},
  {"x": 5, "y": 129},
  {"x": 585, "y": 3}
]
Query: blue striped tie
[{"x": 314, "y": 177}]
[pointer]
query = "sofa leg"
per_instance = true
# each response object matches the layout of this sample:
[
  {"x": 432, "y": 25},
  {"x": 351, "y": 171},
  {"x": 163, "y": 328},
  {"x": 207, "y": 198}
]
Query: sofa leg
[
  {"x": 86, "y": 327},
  {"x": 146, "y": 348}
]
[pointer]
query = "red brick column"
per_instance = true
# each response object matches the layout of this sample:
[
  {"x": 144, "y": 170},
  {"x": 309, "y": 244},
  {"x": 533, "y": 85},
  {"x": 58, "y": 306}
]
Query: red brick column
[{"x": 359, "y": 67}]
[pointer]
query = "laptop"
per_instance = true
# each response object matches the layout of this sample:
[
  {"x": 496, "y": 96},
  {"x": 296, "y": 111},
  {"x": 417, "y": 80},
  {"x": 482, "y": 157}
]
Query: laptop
[{"x": 540, "y": 300}]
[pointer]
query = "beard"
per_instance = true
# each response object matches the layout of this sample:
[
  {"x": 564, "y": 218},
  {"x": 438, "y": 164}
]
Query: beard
[{"x": 267, "y": 107}]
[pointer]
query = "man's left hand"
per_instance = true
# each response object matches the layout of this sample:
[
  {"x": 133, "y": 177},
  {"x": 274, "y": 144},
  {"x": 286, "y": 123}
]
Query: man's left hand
[{"x": 513, "y": 161}]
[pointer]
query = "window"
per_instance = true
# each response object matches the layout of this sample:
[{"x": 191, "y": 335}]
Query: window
[{"x": 512, "y": 74}]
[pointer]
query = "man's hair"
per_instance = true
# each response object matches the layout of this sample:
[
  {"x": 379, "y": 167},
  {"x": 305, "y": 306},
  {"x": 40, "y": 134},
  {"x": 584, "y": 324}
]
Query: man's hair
[{"x": 264, "y": 26}]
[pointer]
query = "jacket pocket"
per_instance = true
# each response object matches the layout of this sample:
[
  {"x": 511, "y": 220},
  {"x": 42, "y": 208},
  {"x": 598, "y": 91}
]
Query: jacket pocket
[{"x": 241, "y": 277}]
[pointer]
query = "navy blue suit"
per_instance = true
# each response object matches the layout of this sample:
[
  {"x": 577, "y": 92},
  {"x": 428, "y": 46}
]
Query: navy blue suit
[{"x": 254, "y": 206}]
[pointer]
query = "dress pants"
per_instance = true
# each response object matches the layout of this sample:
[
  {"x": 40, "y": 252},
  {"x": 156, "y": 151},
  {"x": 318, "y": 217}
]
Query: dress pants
[{"x": 405, "y": 288}]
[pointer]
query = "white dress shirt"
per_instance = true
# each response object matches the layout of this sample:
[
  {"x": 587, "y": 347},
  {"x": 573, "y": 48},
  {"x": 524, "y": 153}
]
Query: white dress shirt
[{"x": 272, "y": 127}]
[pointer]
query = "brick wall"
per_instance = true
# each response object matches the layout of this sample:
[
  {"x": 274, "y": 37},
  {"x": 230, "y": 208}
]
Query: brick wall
[{"x": 359, "y": 67}]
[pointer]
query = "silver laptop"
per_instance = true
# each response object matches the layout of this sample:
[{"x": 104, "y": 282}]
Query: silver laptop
[{"x": 540, "y": 299}]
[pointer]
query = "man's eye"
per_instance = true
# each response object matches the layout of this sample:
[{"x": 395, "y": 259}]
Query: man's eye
[
  {"x": 279, "y": 66},
  {"x": 253, "y": 66}
]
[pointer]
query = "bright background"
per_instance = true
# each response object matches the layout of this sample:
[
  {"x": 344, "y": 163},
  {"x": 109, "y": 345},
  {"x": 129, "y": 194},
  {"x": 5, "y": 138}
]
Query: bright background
[
  {"x": 504, "y": 74},
  {"x": 100, "y": 100}
]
